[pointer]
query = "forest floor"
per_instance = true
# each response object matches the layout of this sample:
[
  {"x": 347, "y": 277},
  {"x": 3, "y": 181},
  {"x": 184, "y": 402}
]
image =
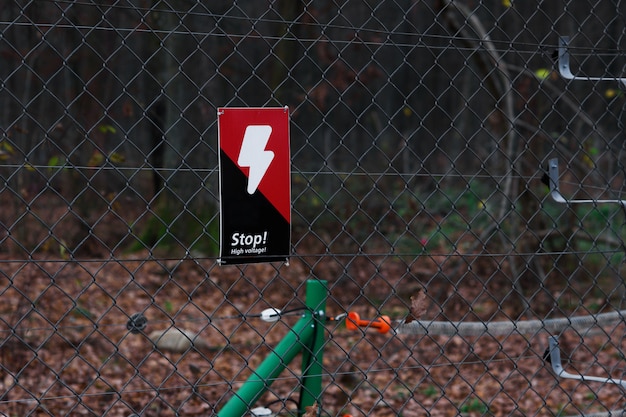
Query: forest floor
[{"x": 66, "y": 349}]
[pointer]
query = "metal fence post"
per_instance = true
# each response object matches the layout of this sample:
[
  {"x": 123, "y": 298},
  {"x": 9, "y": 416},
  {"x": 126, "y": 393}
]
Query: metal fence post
[
  {"x": 312, "y": 355},
  {"x": 306, "y": 333}
]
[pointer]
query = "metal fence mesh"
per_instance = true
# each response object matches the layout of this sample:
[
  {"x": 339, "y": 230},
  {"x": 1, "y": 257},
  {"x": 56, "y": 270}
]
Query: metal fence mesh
[{"x": 440, "y": 150}]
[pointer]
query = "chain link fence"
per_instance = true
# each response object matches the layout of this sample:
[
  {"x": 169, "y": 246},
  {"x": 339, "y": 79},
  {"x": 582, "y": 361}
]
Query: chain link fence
[{"x": 457, "y": 174}]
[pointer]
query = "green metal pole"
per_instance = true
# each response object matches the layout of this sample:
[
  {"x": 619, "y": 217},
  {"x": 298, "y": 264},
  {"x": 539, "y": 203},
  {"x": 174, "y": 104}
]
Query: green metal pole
[
  {"x": 312, "y": 355},
  {"x": 301, "y": 335}
]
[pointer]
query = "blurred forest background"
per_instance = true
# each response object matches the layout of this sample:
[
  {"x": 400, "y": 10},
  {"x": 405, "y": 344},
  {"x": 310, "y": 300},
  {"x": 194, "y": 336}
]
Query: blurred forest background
[{"x": 401, "y": 111}]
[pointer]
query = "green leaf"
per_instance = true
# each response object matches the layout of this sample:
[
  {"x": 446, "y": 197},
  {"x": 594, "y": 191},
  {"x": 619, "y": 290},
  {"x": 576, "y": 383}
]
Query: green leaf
[
  {"x": 107, "y": 129},
  {"x": 116, "y": 158},
  {"x": 542, "y": 73},
  {"x": 54, "y": 161},
  {"x": 6, "y": 146}
]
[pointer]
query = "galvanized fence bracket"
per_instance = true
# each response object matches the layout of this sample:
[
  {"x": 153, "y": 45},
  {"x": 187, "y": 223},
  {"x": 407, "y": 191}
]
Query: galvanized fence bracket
[
  {"x": 566, "y": 71},
  {"x": 557, "y": 367},
  {"x": 555, "y": 193}
]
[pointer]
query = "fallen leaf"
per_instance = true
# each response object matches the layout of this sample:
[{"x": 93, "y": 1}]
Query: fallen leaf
[
  {"x": 418, "y": 306},
  {"x": 311, "y": 411}
]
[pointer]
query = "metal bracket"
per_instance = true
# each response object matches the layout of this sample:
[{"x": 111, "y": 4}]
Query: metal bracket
[
  {"x": 553, "y": 178},
  {"x": 566, "y": 71},
  {"x": 557, "y": 367}
]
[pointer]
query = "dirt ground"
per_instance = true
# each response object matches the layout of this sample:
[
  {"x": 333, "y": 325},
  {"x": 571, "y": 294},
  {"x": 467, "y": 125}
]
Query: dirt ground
[{"x": 66, "y": 348}]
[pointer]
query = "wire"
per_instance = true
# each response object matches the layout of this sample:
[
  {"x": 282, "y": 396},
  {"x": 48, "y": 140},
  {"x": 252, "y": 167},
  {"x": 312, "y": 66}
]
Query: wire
[
  {"x": 230, "y": 384},
  {"x": 395, "y": 253},
  {"x": 282, "y": 401},
  {"x": 391, "y": 173},
  {"x": 98, "y": 326},
  {"x": 290, "y": 312},
  {"x": 422, "y": 39},
  {"x": 514, "y": 360},
  {"x": 342, "y": 43}
]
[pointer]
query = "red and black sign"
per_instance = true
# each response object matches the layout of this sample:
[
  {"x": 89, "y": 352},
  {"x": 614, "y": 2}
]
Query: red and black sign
[{"x": 255, "y": 185}]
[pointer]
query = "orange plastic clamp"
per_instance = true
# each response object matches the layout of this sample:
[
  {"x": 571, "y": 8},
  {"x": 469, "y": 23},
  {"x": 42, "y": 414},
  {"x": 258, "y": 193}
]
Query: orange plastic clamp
[{"x": 382, "y": 324}]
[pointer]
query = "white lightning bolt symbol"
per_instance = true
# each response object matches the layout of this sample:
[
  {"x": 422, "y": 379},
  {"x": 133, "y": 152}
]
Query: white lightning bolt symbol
[{"x": 253, "y": 154}]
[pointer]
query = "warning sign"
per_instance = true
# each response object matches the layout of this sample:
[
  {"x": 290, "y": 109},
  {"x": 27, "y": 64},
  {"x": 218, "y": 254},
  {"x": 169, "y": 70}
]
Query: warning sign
[{"x": 255, "y": 185}]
